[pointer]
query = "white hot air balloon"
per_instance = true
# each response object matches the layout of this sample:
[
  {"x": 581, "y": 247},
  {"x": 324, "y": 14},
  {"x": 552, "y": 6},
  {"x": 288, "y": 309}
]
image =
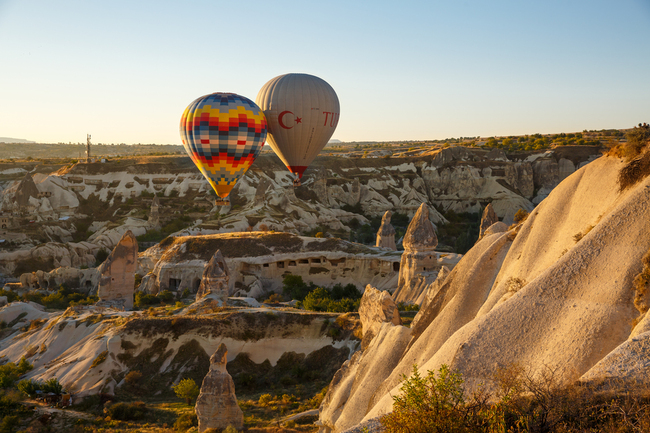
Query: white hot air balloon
[{"x": 302, "y": 112}]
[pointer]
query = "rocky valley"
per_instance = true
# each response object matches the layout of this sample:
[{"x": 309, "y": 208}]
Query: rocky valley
[{"x": 122, "y": 280}]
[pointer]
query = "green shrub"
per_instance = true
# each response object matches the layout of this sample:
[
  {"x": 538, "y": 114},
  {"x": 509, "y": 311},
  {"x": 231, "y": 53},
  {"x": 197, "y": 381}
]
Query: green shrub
[
  {"x": 101, "y": 256},
  {"x": 143, "y": 299},
  {"x": 320, "y": 299},
  {"x": 29, "y": 387},
  {"x": 11, "y": 296},
  {"x": 127, "y": 411},
  {"x": 61, "y": 299},
  {"x": 265, "y": 399},
  {"x": 100, "y": 359},
  {"x": 166, "y": 297},
  {"x": 403, "y": 306},
  {"x": 429, "y": 404},
  {"x": 349, "y": 291},
  {"x": 295, "y": 288},
  {"x": 185, "y": 422},
  {"x": 520, "y": 216},
  {"x": 317, "y": 300},
  {"x": 52, "y": 385},
  {"x": 9, "y": 423},
  {"x": 10, "y": 372}
]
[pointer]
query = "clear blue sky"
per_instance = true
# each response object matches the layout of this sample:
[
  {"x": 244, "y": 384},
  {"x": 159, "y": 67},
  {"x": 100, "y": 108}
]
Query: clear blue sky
[{"x": 124, "y": 71}]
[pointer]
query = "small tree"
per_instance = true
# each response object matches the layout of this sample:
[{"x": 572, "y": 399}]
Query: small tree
[{"x": 186, "y": 389}]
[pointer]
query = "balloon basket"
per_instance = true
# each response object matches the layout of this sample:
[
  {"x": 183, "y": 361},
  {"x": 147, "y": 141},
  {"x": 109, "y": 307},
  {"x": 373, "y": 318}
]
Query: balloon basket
[
  {"x": 221, "y": 202},
  {"x": 296, "y": 182}
]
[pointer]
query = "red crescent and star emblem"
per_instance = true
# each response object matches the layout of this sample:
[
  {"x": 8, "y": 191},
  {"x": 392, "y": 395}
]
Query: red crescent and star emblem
[{"x": 281, "y": 119}]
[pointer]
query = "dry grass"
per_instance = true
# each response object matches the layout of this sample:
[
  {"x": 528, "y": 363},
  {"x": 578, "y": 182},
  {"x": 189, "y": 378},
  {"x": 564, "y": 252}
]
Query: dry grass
[
  {"x": 641, "y": 284},
  {"x": 515, "y": 284},
  {"x": 634, "y": 171},
  {"x": 523, "y": 402}
]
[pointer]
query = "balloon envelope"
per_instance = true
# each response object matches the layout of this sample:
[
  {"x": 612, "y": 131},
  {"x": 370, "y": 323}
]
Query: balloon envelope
[
  {"x": 223, "y": 133},
  {"x": 302, "y": 112}
]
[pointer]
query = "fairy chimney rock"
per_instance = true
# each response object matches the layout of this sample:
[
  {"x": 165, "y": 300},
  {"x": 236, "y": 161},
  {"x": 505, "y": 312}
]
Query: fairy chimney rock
[
  {"x": 419, "y": 263},
  {"x": 117, "y": 274},
  {"x": 489, "y": 218},
  {"x": 420, "y": 235},
  {"x": 25, "y": 190},
  {"x": 215, "y": 279},
  {"x": 154, "y": 214},
  {"x": 216, "y": 406},
  {"x": 386, "y": 233}
]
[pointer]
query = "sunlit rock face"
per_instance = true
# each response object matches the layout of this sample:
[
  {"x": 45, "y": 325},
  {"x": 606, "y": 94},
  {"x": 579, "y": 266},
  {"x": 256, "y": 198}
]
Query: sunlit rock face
[
  {"x": 386, "y": 233},
  {"x": 215, "y": 279},
  {"x": 216, "y": 406},
  {"x": 419, "y": 264},
  {"x": 117, "y": 280},
  {"x": 489, "y": 217}
]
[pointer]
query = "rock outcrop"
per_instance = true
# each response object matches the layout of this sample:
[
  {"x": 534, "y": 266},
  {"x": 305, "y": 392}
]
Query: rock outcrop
[
  {"x": 419, "y": 263},
  {"x": 386, "y": 233},
  {"x": 375, "y": 309},
  {"x": 489, "y": 217},
  {"x": 26, "y": 190},
  {"x": 117, "y": 280},
  {"x": 352, "y": 387},
  {"x": 538, "y": 298},
  {"x": 154, "y": 213},
  {"x": 216, "y": 406},
  {"x": 214, "y": 282},
  {"x": 258, "y": 261}
]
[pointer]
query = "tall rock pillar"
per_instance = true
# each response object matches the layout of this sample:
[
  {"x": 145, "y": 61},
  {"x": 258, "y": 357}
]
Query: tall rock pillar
[
  {"x": 216, "y": 406},
  {"x": 419, "y": 263},
  {"x": 117, "y": 274},
  {"x": 386, "y": 233}
]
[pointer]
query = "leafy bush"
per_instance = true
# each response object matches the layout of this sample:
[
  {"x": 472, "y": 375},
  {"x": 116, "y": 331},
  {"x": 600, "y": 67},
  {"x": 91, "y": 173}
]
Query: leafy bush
[
  {"x": 185, "y": 422},
  {"x": 101, "y": 256},
  {"x": 186, "y": 389},
  {"x": 295, "y": 288},
  {"x": 29, "y": 387},
  {"x": 435, "y": 404},
  {"x": 127, "y": 411},
  {"x": 52, "y": 385},
  {"x": 10, "y": 372},
  {"x": 142, "y": 299},
  {"x": 9, "y": 423},
  {"x": 320, "y": 299},
  {"x": 317, "y": 300},
  {"x": 100, "y": 359},
  {"x": 133, "y": 378},
  {"x": 520, "y": 216},
  {"x": 403, "y": 306},
  {"x": 61, "y": 299},
  {"x": 349, "y": 291},
  {"x": 11, "y": 296},
  {"x": 265, "y": 399},
  {"x": 637, "y": 139},
  {"x": 166, "y": 297}
]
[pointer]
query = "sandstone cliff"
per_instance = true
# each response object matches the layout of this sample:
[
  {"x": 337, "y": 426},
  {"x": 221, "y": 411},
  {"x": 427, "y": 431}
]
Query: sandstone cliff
[{"x": 555, "y": 292}]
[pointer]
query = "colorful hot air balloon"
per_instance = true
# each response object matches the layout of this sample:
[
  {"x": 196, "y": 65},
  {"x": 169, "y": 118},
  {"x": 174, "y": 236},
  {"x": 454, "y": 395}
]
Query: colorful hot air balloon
[
  {"x": 302, "y": 112},
  {"x": 223, "y": 133}
]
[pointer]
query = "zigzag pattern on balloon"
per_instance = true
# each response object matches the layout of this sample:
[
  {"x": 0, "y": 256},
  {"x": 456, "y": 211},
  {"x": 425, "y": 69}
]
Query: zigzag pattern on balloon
[{"x": 223, "y": 133}]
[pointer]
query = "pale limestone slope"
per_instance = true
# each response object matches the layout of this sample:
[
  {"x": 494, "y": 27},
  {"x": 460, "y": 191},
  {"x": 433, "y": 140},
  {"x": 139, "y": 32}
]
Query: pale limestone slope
[
  {"x": 577, "y": 305},
  {"x": 456, "y": 303}
]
